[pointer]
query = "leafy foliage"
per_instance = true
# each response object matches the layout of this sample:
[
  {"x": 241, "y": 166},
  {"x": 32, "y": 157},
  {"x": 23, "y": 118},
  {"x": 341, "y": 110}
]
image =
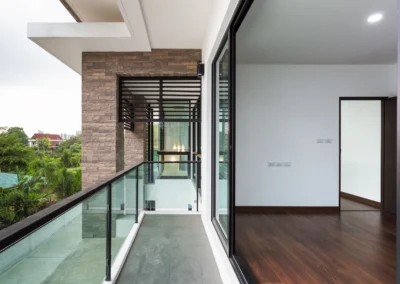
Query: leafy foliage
[
  {"x": 42, "y": 145},
  {"x": 20, "y": 133},
  {"x": 14, "y": 155},
  {"x": 66, "y": 182},
  {"x": 52, "y": 175},
  {"x": 73, "y": 144},
  {"x": 22, "y": 200}
]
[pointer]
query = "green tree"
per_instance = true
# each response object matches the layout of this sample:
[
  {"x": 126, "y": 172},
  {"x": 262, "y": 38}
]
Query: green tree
[
  {"x": 76, "y": 148},
  {"x": 73, "y": 142},
  {"x": 42, "y": 145},
  {"x": 19, "y": 131},
  {"x": 14, "y": 155},
  {"x": 73, "y": 146},
  {"x": 22, "y": 200},
  {"x": 43, "y": 166},
  {"x": 54, "y": 174},
  {"x": 76, "y": 160},
  {"x": 66, "y": 158},
  {"x": 65, "y": 182}
]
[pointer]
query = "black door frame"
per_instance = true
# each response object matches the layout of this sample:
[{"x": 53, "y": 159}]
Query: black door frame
[
  {"x": 381, "y": 99},
  {"x": 398, "y": 172},
  {"x": 214, "y": 156}
]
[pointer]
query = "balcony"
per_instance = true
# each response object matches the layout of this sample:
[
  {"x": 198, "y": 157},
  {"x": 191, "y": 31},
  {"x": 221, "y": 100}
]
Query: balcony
[{"x": 140, "y": 226}]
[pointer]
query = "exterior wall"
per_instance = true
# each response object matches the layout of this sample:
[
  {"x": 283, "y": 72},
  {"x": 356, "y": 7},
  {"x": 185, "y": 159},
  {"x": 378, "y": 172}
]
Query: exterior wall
[
  {"x": 102, "y": 135},
  {"x": 135, "y": 144}
]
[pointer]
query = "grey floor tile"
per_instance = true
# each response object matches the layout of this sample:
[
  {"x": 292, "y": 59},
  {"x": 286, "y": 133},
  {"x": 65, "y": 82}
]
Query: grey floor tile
[
  {"x": 185, "y": 279},
  {"x": 170, "y": 249}
]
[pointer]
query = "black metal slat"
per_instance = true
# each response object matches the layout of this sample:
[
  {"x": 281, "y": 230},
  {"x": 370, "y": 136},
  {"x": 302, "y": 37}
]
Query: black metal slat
[
  {"x": 154, "y": 105},
  {"x": 163, "y": 120},
  {"x": 169, "y": 99},
  {"x": 147, "y": 86},
  {"x": 166, "y": 96},
  {"x": 155, "y": 101}
]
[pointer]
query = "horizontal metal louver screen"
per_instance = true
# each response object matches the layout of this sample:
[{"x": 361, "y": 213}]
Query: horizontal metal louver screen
[
  {"x": 167, "y": 99},
  {"x": 223, "y": 90}
]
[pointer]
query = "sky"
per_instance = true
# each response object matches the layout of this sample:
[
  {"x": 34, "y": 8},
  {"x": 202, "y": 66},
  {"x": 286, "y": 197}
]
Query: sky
[{"x": 37, "y": 91}]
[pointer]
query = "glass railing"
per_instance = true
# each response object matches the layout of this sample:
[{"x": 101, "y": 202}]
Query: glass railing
[
  {"x": 124, "y": 207},
  {"x": 58, "y": 250},
  {"x": 171, "y": 187},
  {"x": 78, "y": 238}
]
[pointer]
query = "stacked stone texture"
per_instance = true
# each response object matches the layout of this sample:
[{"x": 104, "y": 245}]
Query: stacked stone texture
[{"x": 106, "y": 147}]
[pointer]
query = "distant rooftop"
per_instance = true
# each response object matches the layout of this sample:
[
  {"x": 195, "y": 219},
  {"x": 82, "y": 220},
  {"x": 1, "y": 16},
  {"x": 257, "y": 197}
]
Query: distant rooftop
[
  {"x": 55, "y": 139},
  {"x": 44, "y": 135}
]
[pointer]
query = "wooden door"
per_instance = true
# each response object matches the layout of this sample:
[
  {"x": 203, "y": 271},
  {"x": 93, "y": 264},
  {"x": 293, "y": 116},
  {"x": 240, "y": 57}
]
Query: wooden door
[{"x": 390, "y": 154}]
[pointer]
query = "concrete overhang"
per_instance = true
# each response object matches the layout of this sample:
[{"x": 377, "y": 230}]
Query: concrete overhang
[
  {"x": 145, "y": 25},
  {"x": 67, "y": 41}
]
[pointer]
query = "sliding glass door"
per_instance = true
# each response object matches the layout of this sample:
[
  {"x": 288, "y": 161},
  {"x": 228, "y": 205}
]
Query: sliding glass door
[{"x": 221, "y": 138}]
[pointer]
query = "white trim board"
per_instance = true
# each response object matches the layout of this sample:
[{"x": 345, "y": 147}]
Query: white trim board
[{"x": 225, "y": 268}]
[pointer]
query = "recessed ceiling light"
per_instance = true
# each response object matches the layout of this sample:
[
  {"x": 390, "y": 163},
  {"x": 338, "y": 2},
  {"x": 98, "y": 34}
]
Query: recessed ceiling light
[{"x": 375, "y": 18}]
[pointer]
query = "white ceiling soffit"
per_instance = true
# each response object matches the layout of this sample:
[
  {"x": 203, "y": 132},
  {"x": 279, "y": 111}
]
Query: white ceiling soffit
[
  {"x": 68, "y": 41},
  {"x": 167, "y": 23},
  {"x": 95, "y": 10},
  {"x": 133, "y": 16},
  {"x": 318, "y": 32},
  {"x": 177, "y": 23}
]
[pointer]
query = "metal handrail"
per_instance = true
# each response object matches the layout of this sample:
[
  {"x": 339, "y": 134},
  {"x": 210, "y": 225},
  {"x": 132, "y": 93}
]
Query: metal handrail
[{"x": 27, "y": 226}]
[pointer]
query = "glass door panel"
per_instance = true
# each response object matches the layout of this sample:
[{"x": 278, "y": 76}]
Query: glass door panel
[{"x": 222, "y": 140}]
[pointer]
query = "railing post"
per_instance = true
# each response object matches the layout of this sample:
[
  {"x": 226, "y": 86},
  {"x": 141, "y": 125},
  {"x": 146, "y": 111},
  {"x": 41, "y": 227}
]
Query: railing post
[
  {"x": 108, "y": 234},
  {"x": 197, "y": 185},
  {"x": 137, "y": 194},
  {"x": 124, "y": 194}
]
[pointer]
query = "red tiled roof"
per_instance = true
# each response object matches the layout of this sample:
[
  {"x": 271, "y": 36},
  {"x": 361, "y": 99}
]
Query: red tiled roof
[
  {"x": 49, "y": 136},
  {"x": 54, "y": 143}
]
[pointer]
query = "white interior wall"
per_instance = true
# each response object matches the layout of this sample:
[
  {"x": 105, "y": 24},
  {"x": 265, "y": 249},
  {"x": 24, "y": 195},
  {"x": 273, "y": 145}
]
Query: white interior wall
[
  {"x": 361, "y": 126},
  {"x": 283, "y": 113}
]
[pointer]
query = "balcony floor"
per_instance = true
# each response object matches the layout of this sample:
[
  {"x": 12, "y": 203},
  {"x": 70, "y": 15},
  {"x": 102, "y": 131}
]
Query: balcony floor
[{"x": 170, "y": 249}]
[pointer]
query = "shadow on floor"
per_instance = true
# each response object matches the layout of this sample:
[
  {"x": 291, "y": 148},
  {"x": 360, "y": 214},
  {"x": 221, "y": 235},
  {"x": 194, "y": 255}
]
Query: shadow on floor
[{"x": 350, "y": 205}]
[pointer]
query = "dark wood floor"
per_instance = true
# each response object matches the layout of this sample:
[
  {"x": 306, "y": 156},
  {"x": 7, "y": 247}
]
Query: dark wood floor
[
  {"x": 350, "y": 205},
  {"x": 350, "y": 247}
]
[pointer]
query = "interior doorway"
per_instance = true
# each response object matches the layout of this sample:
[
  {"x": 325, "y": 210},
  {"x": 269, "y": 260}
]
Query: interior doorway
[{"x": 367, "y": 154}]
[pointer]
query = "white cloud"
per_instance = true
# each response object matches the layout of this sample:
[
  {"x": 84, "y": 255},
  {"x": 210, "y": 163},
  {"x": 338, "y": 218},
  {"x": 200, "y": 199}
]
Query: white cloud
[{"x": 37, "y": 91}]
